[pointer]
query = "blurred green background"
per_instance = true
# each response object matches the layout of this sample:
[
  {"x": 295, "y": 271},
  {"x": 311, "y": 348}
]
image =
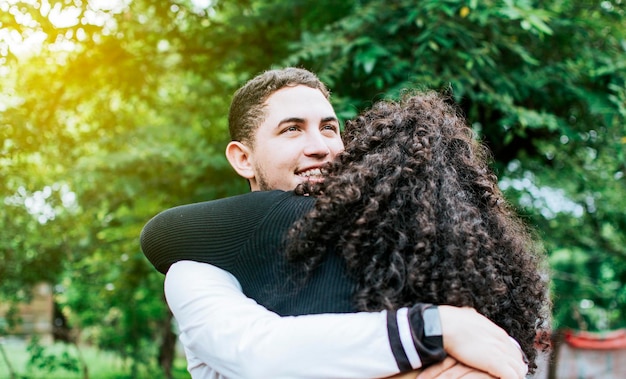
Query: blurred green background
[{"x": 111, "y": 111}]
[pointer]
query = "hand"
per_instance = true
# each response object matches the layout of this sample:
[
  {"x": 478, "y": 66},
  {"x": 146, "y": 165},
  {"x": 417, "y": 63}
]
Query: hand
[
  {"x": 450, "y": 368},
  {"x": 406, "y": 375},
  {"x": 477, "y": 342}
]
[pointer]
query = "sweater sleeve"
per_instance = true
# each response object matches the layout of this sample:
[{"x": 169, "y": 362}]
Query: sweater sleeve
[
  {"x": 222, "y": 330},
  {"x": 210, "y": 232}
]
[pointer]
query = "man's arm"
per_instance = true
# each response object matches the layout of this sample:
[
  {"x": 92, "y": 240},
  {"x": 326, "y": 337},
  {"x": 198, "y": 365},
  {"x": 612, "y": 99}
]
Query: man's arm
[{"x": 241, "y": 339}]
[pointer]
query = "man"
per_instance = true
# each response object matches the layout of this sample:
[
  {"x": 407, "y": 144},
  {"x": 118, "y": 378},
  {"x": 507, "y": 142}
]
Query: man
[
  {"x": 284, "y": 130},
  {"x": 295, "y": 131}
]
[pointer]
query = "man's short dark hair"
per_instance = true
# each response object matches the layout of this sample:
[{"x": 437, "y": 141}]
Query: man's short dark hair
[{"x": 248, "y": 105}]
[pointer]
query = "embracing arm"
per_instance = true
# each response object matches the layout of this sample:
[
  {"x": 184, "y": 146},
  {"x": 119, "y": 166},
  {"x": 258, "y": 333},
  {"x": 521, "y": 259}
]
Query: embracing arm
[
  {"x": 237, "y": 337},
  {"x": 241, "y": 339}
]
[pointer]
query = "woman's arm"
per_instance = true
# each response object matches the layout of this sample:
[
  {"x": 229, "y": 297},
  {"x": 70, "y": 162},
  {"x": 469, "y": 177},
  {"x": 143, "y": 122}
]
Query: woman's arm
[{"x": 240, "y": 339}]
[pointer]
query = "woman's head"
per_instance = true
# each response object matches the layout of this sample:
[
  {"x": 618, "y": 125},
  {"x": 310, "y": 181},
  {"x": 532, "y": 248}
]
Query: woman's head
[{"x": 413, "y": 208}]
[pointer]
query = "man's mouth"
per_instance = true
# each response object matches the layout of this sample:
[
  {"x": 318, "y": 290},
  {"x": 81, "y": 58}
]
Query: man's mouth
[{"x": 314, "y": 173}]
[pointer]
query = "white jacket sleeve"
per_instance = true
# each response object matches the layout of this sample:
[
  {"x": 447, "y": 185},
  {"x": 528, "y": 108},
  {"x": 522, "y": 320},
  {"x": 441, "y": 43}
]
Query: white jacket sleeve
[{"x": 238, "y": 338}]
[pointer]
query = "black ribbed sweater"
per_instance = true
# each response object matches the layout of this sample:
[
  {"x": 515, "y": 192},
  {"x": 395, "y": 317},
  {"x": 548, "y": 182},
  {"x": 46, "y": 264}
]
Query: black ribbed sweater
[{"x": 243, "y": 235}]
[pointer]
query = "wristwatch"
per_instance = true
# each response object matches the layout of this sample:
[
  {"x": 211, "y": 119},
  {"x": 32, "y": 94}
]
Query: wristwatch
[
  {"x": 433, "y": 334},
  {"x": 427, "y": 333}
]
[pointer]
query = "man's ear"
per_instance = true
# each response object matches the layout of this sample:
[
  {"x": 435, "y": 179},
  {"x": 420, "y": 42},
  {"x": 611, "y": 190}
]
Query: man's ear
[{"x": 240, "y": 157}]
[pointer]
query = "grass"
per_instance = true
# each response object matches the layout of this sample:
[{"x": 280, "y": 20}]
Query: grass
[{"x": 100, "y": 364}]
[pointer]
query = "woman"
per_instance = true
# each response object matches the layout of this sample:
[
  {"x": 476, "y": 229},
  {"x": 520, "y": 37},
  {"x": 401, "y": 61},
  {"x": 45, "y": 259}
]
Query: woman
[
  {"x": 408, "y": 213},
  {"x": 415, "y": 212}
]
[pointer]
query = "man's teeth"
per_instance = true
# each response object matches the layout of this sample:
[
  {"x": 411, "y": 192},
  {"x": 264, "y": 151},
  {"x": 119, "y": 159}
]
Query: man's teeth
[{"x": 313, "y": 172}]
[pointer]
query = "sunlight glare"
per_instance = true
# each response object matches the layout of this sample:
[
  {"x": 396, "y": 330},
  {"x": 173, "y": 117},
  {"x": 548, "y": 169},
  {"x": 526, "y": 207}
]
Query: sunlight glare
[
  {"x": 32, "y": 37},
  {"x": 64, "y": 17}
]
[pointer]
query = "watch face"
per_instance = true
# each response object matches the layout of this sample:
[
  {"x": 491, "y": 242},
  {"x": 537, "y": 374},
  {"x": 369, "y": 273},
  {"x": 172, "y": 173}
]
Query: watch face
[{"x": 432, "y": 323}]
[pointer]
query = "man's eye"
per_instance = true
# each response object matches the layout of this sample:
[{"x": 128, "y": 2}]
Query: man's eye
[
  {"x": 292, "y": 128},
  {"x": 330, "y": 127}
]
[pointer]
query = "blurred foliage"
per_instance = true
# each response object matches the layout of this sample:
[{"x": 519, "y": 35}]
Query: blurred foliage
[
  {"x": 50, "y": 362},
  {"x": 113, "y": 111}
]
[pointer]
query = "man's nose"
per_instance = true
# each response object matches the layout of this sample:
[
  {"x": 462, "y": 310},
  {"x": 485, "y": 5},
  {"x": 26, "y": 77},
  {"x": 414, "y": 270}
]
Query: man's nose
[{"x": 316, "y": 145}]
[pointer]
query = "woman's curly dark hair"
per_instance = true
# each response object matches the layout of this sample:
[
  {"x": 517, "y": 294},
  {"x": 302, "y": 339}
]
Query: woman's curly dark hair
[{"x": 414, "y": 209}]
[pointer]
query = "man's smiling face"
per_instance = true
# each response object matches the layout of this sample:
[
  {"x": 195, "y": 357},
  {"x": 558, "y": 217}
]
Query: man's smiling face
[{"x": 299, "y": 135}]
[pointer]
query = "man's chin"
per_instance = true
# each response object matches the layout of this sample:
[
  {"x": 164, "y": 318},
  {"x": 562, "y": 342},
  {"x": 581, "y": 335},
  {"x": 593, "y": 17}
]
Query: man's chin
[{"x": 313, "y": 179}]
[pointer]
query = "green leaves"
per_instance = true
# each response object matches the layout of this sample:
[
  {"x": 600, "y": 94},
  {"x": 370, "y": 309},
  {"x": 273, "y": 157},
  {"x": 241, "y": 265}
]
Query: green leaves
[{"x": 531, "y": 18}]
